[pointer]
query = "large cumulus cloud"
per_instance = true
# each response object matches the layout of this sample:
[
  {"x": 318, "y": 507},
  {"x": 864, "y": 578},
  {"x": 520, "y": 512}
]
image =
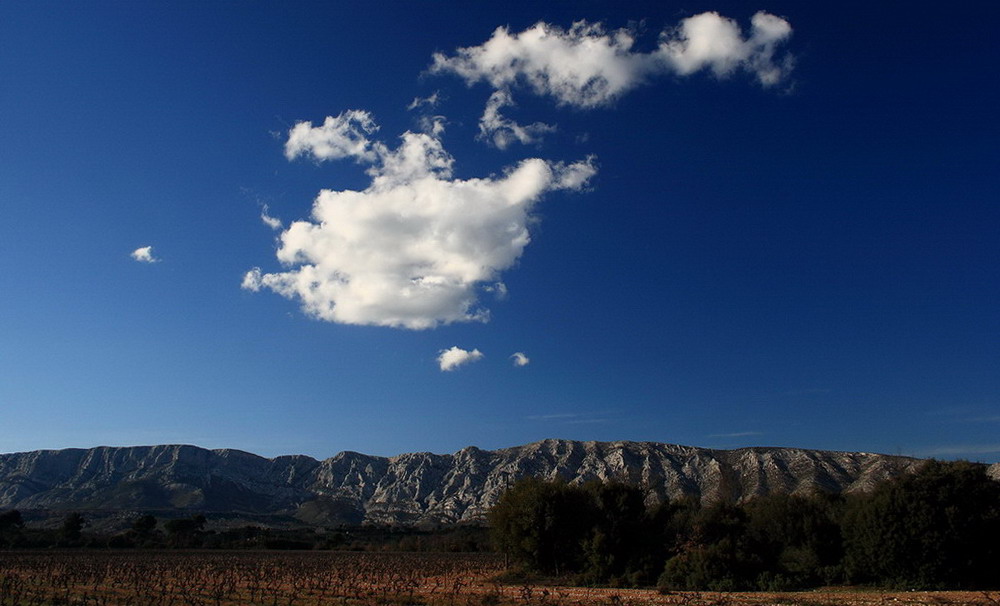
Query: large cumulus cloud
[{"x": 417, "y": 246}]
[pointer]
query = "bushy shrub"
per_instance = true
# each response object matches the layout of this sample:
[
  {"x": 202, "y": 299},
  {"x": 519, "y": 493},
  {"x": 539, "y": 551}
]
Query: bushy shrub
[{"x": 938, "y": 528}]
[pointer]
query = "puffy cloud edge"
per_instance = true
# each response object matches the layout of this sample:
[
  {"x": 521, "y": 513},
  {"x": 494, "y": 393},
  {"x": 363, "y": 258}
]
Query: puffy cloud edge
[{"x": 454, "y": 357}]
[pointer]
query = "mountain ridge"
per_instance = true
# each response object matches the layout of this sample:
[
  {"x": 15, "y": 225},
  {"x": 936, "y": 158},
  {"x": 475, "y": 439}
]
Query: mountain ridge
[{"x": 420, "y": 488}]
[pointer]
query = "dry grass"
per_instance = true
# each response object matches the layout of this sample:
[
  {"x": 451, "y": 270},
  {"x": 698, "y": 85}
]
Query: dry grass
[{"x": 140, "y": 578}]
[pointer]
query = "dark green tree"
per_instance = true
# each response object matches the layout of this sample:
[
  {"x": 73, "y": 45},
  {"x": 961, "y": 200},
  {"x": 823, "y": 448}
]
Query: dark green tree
[
  {"x": 71, "y": 530},
  {"x": 619, "y": 545},
  {"x": 675, "y": 521},
  {"x": 185, "y": 532},
  {"x": 144, "y": 525},
  {"x": 143, "y": 532},
  {"x": 542, "y": 525},
  {"x": 798, "y": 539},
  {"x": 938, "y": 528},
  {"x": 720, "y": 554},
  {"x": 11, "y": 526}
]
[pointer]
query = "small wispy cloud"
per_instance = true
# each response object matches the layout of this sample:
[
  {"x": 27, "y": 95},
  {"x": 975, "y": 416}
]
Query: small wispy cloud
[
  {"x": 451, "y": 358},
  {"x": 951, "y": 411},
  {"x": 987, "y": 419},
  {"x": 252, "y": 280},
  {"x": 500, "y": 131},
  {"x": 736, "y": 434},
  {"x": 144, "y": 254},
  {"x": 965, "y": 414},
  {"x": 520, "y": 359},
  {"x": 419, "y": 102},
  {"x": 553, "y": 417},
  {"x": 962, "y": 449},
  {"x": 499, "y": 290},
  {"x": 572, "y": 418},
  {"x": 813, "y": 391},
  {"x": 272, "y": 222}
]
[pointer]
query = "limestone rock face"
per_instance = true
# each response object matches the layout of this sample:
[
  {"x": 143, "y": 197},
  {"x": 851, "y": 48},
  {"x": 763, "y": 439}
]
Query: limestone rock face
[{"x": 413, "y": 489}]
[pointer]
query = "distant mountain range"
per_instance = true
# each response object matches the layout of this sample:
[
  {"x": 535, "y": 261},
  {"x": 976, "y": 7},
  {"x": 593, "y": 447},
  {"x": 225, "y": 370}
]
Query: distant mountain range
[{"x": 409, "y": 489}]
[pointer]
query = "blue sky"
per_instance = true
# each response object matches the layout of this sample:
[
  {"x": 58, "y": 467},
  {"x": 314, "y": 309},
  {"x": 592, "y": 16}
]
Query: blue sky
[{"x": 711, "y": 224}]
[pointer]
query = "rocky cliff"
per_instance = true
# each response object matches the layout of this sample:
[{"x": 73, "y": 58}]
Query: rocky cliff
[{"x": 419, "y": 488}]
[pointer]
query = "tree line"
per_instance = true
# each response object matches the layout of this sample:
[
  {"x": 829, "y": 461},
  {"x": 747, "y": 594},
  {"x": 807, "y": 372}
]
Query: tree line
[
  {"x": 938, "y": 528},
  {"x": 145, "y": 531},
  {"x": 149, "y": 532}
]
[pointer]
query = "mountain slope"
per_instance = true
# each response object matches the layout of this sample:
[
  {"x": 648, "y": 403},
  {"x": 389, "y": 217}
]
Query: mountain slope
[{"x": 418, "y": 488}]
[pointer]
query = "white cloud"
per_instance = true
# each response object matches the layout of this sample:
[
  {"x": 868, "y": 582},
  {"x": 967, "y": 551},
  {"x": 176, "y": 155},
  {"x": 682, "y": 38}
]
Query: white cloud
[
  {"x": 272, "y": 222},
  {"x": 419, "y": 102},
  {"x": 501, "y": 131},
  {"x": 710, "y": 41},
  {"x": 520, "y": 359},
  {"x": 553, "y": 417},
  {"x": 144, "y": 254},
  {"x": 450, "y": 359},
  {"x": 736, "y": 434},
  {"x": 587, "y": 66},
  {"x": 414, "y": 248},
  {"x": 573, "y": 418},
  {"x": 432, "y": 125},
  {"x": 344, "y": 136},
  {"x": 499, "y": 290},
  {"x": 252, "y": 280},
  {"x": 581, "y": 66}
]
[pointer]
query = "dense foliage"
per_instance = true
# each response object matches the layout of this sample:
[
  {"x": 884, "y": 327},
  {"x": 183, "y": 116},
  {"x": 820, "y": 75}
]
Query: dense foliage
[
  {"x": 148, "y": 532},
  {"x": 937, "y": 528}
]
